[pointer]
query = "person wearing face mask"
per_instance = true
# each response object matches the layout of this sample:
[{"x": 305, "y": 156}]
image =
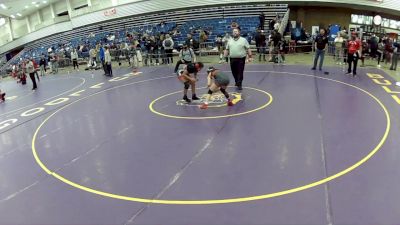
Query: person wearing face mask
[
  {"x": 354, "y": 53},
  {"x": 238, "y": 48}
]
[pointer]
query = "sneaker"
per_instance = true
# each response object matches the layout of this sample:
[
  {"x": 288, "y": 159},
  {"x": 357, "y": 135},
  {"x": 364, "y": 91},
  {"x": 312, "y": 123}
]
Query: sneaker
[
  {"x": 187, "y": 99},
  {"x": 204, "y": 106},
  {"x": 348, "y": 73},
  {"x": 239, "y": 88},
  {"x": 195, "y": 98},
  {"x": 354, "y": 74},
  {"x": 379, "y": 66},
  {"x": 313, "y": 68},
  {"x": 230, "y": 103}
]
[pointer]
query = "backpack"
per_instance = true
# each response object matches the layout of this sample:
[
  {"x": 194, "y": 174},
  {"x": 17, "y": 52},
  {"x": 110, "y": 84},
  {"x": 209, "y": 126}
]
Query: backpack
[{"x": 168, "y": 43}]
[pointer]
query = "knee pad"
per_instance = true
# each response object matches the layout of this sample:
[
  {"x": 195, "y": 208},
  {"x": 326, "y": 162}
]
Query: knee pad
[{"x": 187, "y": 85}]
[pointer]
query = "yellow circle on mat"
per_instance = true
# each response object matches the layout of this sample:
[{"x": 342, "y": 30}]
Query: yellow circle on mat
[
  {"x": 227, "y": 200},
  {"x": 151, "y": 107}
]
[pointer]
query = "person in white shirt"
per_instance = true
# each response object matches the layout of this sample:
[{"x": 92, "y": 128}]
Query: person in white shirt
[
  {"x": 107, "y": 61},
  {"x": 74, "y": 58},
  {"x": 338, "y": 48},
  {"x": 225, "y": 41},
  {"x": 31, "y": 70},
  {"x": 168, "y": 45}
]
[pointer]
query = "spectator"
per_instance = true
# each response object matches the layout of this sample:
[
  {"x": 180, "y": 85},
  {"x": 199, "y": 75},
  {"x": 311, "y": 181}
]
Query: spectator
[
  {"x": 395, "y": 55},
  {"x": 42, "y": 64},
  {"x": 189, "y": 41},
  {"x": 168, "y": 45},
  {"x": 338, "y": 48},
  {"x": 107, "y": 62},
  {"x": 262, "y": 20},
  {"x": 31, "y": 71},
  {"x": 321, "y": 42},
  {"x": 225, "y": 40},
  {"x": 74, "y": 58},
  {"x": 354, "y": 53},
  {"x": 262, "y": 45},
  {"x": 220, "y": 46},
  {"x": 389, "y": 50}
]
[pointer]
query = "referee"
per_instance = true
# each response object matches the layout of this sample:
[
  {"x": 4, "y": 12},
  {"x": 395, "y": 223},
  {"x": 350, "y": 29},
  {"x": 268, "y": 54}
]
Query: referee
[{"x": 237, "y": 49}]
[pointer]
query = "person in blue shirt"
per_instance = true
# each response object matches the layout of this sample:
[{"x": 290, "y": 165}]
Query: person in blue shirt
[{"x": 102, "y": 59}]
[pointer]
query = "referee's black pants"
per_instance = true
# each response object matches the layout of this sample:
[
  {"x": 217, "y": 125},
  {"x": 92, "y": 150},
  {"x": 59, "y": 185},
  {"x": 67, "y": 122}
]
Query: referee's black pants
[{"x": 237, "y": 67}]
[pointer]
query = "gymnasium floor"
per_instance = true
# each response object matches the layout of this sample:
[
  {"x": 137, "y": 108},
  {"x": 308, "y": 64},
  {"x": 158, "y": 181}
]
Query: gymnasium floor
[{"x": 298, "y": 147}]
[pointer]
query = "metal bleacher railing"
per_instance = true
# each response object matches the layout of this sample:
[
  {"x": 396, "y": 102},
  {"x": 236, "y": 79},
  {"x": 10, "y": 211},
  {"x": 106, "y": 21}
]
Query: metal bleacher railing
[{"x": 218, "y": 18}]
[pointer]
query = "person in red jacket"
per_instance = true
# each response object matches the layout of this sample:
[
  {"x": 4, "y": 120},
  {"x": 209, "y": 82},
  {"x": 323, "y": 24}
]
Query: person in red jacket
[{"x": 354, "y": 48}]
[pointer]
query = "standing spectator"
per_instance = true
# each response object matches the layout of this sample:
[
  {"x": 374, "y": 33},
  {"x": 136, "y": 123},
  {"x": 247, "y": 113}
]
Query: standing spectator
[
  {"x": 31, "y": 70},
  {"x": 161, "y": 48},
  {"x": 168, "y": 45},
  {"x": 42, "y": 64},
  {"x": 107, "y": 61},
  {"x": 74, "y": 58},
  {"x": 389, "y": 50},
  {"x": 154, "y": 49},
  {"x": 396, "y": 54},
  {"x": 276, "y": 39},
  {"x": 354, "y": 53},
  {"x": 189, "y": 41},
  {"x": 93, "y": 54},
  {"x": 321, "y": 42},
  {"x": 373, "y": 43},
  {"x": 272, "y": 24},
  {"x": 54, "y": 62},
  {"x": 225, "y": 40},
  {"x": 257, "y": 39},
  {"x": 102, "y": 59},
  {"x": 262, "y": 20},
  {"x": 338, "y": 48},
  {"x": 186, "y": 56},
  {"x": 220, "y": 46},
  {"x": 202, "y": 39},
  {"x": 36, "y": 67},
  {"x": 262, "y": 45},
  {"x": 380, "y": 52},
  {"x": 237, "y": 49},
  {"x": 364, "y": 51}
]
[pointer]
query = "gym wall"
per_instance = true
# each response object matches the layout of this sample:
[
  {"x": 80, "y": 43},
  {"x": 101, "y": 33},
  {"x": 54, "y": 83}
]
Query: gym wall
[{"x": 323, "y": 16}]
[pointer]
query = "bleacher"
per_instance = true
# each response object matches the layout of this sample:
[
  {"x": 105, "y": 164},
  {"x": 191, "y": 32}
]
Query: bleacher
[
  {"x": 178, "y": 17},
  {"x": 216, "y": 20}
]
